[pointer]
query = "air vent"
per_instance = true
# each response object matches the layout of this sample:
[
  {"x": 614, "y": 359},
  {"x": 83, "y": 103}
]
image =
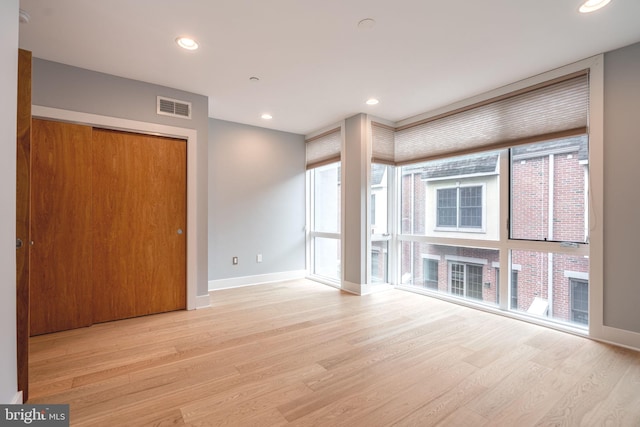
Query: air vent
[{"x": 173, "y": 108}]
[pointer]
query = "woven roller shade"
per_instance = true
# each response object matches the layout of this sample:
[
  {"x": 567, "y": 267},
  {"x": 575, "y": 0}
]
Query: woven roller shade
[
  {"x": 324, "y": 149},
  {"x": 547, "y": 111},
  {"x": 383, "y": 146}
]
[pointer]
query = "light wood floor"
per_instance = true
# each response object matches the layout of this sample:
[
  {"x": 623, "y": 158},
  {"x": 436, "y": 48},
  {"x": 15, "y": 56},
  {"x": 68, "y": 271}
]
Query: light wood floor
[{"x": 300, "y": 353}]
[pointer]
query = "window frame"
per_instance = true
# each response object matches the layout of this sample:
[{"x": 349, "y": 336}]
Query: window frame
[
  {"x": 313, "y": 234},
  {"x": 502, "y": 243}
]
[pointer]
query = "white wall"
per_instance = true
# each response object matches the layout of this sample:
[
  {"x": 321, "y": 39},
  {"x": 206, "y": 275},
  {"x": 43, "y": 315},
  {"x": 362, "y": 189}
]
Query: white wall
[
  {"x": 621, "y": 194},
  {"x": 8, "y": 89},
  {"x": 256, "y": 203}
]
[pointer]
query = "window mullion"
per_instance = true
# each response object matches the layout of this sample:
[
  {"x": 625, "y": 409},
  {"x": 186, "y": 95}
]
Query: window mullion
[{"x": 458, "y": 219}]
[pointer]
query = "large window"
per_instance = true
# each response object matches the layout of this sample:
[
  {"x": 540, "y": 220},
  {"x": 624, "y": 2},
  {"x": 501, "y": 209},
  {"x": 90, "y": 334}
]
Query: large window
[
  {"x": 453, "y": 240},
  {"x": 498, "y": 187},
  {"x": 324, "y": 235},
  {"x": 326, "y": 198},
  {"x": 379, "y": 218}
]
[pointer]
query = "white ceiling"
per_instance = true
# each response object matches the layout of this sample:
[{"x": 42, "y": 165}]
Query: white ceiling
[{"x": 315, "y": 65}]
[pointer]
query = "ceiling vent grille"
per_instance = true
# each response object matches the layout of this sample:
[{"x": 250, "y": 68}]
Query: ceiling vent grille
[{"x": 173, "y": 108}]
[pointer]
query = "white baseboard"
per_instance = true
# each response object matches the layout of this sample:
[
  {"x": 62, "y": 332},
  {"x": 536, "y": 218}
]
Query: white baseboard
[
  {"x": 17, "y": 399},
  {"x": 365, "y": 289},
  {"x": 619, "y": 337},
  {"x": 238, "y": 282},
  {"x": 374, "y": 288},
  {"x": 352, "y": 288},
  {"x": 203, "y": 301}
]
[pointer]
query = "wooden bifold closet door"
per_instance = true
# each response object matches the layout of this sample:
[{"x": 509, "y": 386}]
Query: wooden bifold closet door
[{"x": 108, "y": 225}]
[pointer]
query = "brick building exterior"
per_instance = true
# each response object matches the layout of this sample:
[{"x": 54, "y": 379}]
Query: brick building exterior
[{"x": 549, "y": 201}]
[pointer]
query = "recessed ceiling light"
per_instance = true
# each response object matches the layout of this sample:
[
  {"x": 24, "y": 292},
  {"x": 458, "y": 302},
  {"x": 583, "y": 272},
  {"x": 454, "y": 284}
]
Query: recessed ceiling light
[
  {"x": 267, "y": 116},
  {"x": 254, "y": 79},
  {"x": 366, "y": 24},
  {"x": 593, "y": 5},
  {"x": 24, "y": 17},
  {"x": 372, "y": 101},
  {"x": 187, "y": 43}
]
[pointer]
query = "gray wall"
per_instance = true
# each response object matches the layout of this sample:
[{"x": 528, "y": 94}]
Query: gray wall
[
  {"x": 70, "y": 88},
  {"x": 256, "y": 200},
  {"x": 8, "y": 89},
  {"x": 621, "y": 193}
]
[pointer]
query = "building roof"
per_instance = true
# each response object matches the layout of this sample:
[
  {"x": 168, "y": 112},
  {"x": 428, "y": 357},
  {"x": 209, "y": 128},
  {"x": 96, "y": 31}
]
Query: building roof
[
  {"x": 469, "y": 165},
  {"x": 564, "y": 145}
]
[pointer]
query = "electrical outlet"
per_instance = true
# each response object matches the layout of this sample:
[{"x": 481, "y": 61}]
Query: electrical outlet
[
  {"x": 259, "y": 258},
  {"x": 234, "y": 260}
]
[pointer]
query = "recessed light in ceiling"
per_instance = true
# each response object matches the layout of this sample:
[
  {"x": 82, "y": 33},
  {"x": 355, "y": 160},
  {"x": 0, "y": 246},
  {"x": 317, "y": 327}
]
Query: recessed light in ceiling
[
  {"x": 187, "y": 43},
  {"x": 372, "y": 101},
  {"x": 254, "y": 79},
  {"x": 24, "y": 17},
  {"x": 366, "y": 24},
  {"x": 267, "y": 116},
  {"x": 593, "y": 5}
]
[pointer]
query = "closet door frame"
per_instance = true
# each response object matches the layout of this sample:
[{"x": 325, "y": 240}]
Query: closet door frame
[{"x": 191, "y": 136}]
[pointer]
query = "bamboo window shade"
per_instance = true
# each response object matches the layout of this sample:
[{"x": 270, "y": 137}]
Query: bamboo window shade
[
  {"x": 555, "y": 109},
  {"x": 324, "y": 148}
]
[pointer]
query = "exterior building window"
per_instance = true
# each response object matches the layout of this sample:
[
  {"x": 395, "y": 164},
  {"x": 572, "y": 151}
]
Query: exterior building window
[
  {"x": 459, "y": 207},
  {"x": 431, "y": 273},
  {"x": 465, "y": 280},
  {"x": 514, "y": 290},
  {"x": 514, "y": 287},
  {"x": 579, "y": 301},
  {"x": 448, "y": 207},
  {"x": 375, "y": 264},
  {"x": 373, "y": 209}
]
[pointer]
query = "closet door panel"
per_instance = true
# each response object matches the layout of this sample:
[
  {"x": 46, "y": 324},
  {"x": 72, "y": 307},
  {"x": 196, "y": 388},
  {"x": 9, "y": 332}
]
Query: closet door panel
[
  {"x": 61, "y": 227},
  {"x": 139, "y": 212}
]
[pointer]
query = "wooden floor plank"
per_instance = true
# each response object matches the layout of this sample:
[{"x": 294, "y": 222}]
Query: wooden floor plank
[
  {"x": 614, "y": 409},
  {"x": 575, "y": 405},
  {"x": 529, "y": 407},
  {"x": 301, "y": 353}
]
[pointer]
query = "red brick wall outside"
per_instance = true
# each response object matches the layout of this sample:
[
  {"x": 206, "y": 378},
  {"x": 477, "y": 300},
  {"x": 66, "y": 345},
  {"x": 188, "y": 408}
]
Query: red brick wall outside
[
  {"x": 569, "y": 199},
  {"x": 530, "y": 198}
]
